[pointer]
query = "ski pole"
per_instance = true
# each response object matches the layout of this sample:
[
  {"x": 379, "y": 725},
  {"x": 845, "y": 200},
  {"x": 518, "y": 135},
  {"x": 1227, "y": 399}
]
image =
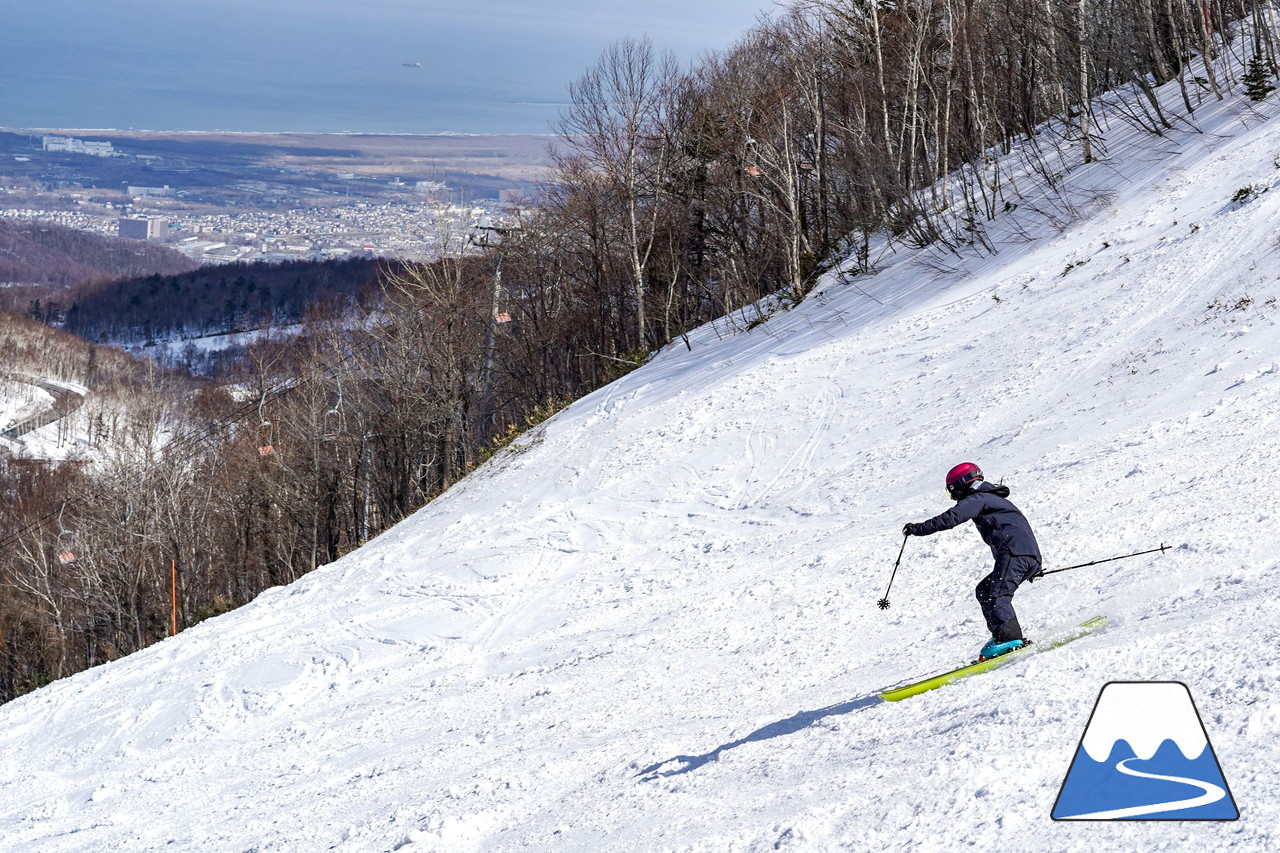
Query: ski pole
[
  {"x": 884, "y": 602},
  {"x": 1161, "y": 549}
]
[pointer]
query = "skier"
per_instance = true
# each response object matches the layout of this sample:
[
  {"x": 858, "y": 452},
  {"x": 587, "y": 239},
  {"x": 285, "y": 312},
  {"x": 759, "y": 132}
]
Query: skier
[{"x": 1006, "y": 531}]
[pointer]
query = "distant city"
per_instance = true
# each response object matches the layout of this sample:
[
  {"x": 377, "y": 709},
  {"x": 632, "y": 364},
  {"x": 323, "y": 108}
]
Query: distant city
[
  {"x": 402, "y": 231},
  {"x": 267, "y": 202}
]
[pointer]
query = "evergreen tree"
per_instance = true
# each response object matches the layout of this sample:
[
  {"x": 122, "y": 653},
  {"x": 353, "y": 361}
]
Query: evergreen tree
[{"x": 1257, "y": 79}]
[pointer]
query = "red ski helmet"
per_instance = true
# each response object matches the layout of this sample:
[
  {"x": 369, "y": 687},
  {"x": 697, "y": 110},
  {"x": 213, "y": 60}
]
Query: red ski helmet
[{"x": 959, "y": 477}]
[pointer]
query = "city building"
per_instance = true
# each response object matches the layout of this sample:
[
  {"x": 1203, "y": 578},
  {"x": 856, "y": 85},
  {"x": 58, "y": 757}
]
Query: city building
[
  {"x": 72, "y": 145},
  {"x": 143, "y": 229},
  {"x": 162, "y": 192}
]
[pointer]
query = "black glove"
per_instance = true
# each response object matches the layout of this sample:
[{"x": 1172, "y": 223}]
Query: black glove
[{"x": 909, "y": 529}]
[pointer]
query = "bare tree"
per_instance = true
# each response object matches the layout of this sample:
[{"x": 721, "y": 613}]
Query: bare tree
[{"x": 614, "y": 122}]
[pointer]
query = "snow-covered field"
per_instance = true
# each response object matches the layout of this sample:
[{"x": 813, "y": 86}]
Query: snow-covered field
[{"x": 653, "y": 625}]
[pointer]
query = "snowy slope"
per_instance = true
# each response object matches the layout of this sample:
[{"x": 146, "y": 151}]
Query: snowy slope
[{"x": 653, "y": 626}]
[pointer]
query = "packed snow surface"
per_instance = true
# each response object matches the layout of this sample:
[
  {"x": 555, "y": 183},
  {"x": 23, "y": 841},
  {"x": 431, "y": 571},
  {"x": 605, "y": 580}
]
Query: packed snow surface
[{"x": 652, "y": 624}]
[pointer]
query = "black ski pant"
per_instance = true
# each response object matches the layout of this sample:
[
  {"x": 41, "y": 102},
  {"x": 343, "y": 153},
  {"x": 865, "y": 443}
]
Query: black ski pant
[{"x": 995, "y": 594}]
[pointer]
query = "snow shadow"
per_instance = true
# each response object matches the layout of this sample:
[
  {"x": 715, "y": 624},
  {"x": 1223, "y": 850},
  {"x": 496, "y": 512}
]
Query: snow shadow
[{"x": 685, "y": 763}]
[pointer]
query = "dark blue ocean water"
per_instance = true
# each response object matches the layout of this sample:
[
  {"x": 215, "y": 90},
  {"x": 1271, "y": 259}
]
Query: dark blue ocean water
[
  {"x": 491, "y": 66},
  {"x": 231, "y": 66},
  {"x": 1098, "y": 786}
]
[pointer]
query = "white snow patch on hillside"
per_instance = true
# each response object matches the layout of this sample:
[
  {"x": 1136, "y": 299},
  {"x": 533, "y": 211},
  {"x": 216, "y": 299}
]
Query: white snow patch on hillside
[{"x": 652, "y": 625}]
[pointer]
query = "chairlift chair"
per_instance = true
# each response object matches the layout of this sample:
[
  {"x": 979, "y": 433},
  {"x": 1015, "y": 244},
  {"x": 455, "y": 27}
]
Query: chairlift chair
[
  {"x": 65, "y": 547},
  {"x": 266, "y": 431},
  {"x": 265, "y": 445},
  {"x": 335, "y": 423}
]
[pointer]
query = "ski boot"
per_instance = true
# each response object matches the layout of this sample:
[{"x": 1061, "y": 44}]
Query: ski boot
[{"x": 995, "y": 648}]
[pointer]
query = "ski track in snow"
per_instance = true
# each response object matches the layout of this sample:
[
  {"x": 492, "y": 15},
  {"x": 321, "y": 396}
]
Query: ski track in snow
[{"x": 651, "y": 624}]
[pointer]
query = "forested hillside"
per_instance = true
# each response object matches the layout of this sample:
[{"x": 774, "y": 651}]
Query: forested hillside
[
  {"x": 681, "y": 194},
  {"x": 42, "y": 253},
  {"x": 32, "y": 348},
  {"x": 215, "y": 300}
]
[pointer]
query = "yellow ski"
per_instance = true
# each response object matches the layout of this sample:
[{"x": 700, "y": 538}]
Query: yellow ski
[{"x": 894, "y": 694}]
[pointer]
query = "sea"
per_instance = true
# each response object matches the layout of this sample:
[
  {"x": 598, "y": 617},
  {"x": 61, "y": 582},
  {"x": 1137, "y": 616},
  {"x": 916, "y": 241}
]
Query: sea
[{"x": 321, "y": 66}]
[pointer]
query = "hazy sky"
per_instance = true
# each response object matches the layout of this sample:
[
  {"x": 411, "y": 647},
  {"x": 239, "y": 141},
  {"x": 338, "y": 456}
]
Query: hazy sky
[{"x": 487, "y": 66}]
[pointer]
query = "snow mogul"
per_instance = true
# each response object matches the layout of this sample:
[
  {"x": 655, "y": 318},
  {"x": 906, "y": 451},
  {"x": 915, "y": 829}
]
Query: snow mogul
[{"x": 1008, "y": 533}]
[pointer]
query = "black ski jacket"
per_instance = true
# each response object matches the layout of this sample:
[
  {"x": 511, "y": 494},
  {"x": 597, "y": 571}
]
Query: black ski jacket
[{"x": 1002, "y": 525}]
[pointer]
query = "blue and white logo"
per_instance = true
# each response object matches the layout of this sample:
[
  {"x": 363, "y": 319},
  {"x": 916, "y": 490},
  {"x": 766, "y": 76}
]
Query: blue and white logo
[{"x": 1145, "y": 756}]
